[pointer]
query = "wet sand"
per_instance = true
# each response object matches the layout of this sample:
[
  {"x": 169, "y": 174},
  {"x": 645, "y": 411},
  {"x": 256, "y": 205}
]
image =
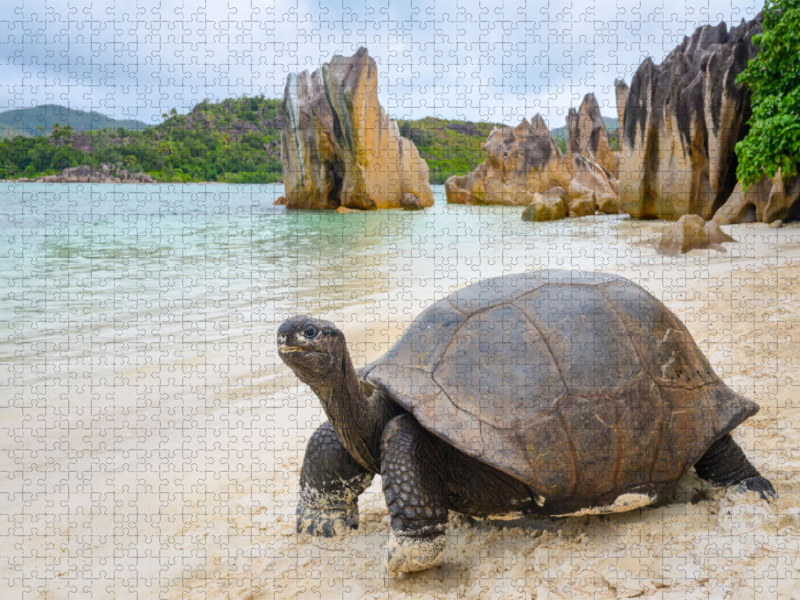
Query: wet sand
[{"x": 190, "y": 491}]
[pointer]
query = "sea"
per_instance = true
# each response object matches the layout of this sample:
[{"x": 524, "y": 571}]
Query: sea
[{"x": 107, "y": 275}]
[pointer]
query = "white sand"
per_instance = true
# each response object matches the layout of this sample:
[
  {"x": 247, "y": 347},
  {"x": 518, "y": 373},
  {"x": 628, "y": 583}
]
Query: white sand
[{"x": 183, "y": 491}]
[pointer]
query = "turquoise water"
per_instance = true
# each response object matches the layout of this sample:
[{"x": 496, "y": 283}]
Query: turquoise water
[{"x": 153, "y": 273}]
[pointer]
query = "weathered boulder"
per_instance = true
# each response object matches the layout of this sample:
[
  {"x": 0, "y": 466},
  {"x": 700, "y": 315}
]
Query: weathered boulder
[
  {"x": 456, "y": 190},
  {"x": 550, "y": 206},
  {"x": 281, "y": 201},
  {"x": 338, "y": 146},
  {"x": 607, "y": 203},
  {"x": 588, "y": 135},
  {"x": 681, "y": 121},
  {"x": 691, "y": 232},
  {"x": 412, "y": 202},
  {"x": 582, "y": 206},
  {"x": 767, "y": 201}
]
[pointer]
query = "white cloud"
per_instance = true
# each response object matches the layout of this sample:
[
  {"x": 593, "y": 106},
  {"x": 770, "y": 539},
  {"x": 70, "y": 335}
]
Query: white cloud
[{"x": 454, "y": 59}]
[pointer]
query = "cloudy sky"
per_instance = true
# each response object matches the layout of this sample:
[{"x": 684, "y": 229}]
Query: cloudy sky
[{"x": 455, "y": 59}]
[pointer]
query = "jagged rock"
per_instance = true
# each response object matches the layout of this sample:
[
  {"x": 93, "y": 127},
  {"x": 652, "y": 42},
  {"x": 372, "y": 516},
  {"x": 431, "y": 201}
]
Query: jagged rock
[
  {"x": 588, "y": 177},
  {"x": 549, "y": 206},
  {"x": 681, "y": 121},
  {"x": 588, "y": 135},
  {"x": 338, "y": 146},
  {"x": 523, "y": 161},
  {"x": 621, "y": 91},
  {"x": 766, "y": 201},
  {"x": 281, "y": 201},
  {"x": 777, "y": 224},
  {"x": 582, "y": 206},
  {"x": 691, "y": 232},
  {"x": 344, "y": 209}
]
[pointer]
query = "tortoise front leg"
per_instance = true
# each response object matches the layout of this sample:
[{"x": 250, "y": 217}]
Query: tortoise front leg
[
  {"x": 330, "y": 483},
  {"x": 724, "y": 464},
  {"x": 415, "y": 495}
]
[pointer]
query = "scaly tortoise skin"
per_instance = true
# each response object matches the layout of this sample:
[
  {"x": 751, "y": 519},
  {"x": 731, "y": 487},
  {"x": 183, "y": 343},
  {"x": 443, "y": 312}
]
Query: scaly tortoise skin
[{"x": 549, "y": 392}]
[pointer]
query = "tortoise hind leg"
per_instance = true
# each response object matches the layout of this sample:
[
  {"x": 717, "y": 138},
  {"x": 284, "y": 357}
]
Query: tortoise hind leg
[
  {"x": 330, "y": 483},
  {"x": 724, "y": 464},
  {"x": 415, "y": 495}
]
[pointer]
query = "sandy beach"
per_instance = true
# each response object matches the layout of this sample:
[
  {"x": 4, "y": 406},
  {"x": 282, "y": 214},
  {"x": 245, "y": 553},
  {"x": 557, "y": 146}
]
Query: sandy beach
[{"x": 169, "y": 469}]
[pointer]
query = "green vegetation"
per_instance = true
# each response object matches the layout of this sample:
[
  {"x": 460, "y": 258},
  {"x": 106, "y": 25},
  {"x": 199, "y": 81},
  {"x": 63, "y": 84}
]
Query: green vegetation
[
  {"x": 40, "y": 120},
  {"x": 773, "y": 140},
  {"x": 235, "y": 141},
  {"x": 449, "y": 147}
]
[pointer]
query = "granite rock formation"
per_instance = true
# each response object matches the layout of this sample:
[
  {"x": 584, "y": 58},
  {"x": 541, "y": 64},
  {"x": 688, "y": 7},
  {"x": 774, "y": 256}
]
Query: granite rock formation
[
  {"x": 767, "y": 201},
  {"x": 691, "y": 232},
  {"x": 621, "y": 92},
  {"x": 520, "y": 162},
  {"x": 549, "y": 206},
  {"x": 524, "y": 161},
  {"x": 588, "y": 135},
  {"x": 339, "y": 147},
  {"x": 681, "y": 121}
]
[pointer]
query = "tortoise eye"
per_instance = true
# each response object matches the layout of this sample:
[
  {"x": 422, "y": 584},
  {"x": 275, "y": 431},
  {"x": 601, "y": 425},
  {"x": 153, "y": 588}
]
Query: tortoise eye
[{"x": 310, "y": 332}]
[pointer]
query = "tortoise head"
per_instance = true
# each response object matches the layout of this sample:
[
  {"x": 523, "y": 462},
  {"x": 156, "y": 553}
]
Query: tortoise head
[{"x": 312, "y": 348}]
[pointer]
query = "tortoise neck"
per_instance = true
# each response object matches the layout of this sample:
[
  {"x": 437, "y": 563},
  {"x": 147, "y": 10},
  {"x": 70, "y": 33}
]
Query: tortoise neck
[{"x": 357, "y": 419}]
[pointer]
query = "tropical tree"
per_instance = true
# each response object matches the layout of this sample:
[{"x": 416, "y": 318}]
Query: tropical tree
[{"x": 773, "y": 141}]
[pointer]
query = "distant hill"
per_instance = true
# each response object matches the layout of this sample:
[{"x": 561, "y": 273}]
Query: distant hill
[
  {"x": 236, "y": 140},
  {"x": 27, "y": 121},
  {"x": 9, "y": 132}
]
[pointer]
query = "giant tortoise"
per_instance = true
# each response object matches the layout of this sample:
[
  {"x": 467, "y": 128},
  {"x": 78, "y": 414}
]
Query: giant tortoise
[{"x": 542, "y": 393}]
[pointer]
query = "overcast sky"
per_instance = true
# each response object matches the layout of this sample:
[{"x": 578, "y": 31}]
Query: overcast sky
[{"x": 454, "y": 59}]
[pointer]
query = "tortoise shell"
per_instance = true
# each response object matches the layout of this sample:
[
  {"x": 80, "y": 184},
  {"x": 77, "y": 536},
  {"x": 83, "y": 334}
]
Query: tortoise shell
[{"x": 582, "y": 385}]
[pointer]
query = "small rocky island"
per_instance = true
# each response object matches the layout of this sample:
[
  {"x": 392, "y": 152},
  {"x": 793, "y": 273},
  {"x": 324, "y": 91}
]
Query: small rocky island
[
  {"x": 105, "y": 173},
  {"x": 339, "y": 148}
]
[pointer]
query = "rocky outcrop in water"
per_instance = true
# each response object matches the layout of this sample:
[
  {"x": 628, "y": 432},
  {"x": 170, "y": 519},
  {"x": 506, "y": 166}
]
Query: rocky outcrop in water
[
  {"x": 523, "y": 164},
  {"x": 680, "y": 124},
  {"x": 520, "y": 162},
  {"x": 85, "y": 174},
  {"x": 549, "y": 206},
  {"x": 339, "y": 148}
]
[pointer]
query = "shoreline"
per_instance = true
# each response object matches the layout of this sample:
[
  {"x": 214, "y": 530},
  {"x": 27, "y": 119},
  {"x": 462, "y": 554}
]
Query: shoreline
[{"x": 183, "y": 411}]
